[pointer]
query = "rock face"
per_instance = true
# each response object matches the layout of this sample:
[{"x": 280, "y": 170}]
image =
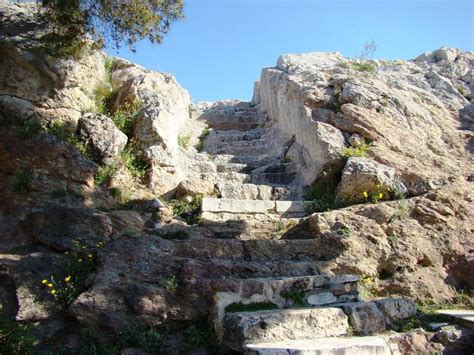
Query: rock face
[
  {"x": 254, "y": 240},
  {"x": 363, "y": 175},
  {"x": 417, "y": 114},
  {"x": 104, "y": 139}
]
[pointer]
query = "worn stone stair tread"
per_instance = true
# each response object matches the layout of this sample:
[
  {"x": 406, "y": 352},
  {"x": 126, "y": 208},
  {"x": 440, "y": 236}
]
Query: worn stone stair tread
[
  {"x": 323, "y": 346},
  {"x": 464, "y": 316},
  {"x": 282, "y": 324},
  {"x": 210, "y": 204}
]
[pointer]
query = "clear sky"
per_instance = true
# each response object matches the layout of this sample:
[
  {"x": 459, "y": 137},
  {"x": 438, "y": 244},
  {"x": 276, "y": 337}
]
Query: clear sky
[{"x": 218, "y": 50}]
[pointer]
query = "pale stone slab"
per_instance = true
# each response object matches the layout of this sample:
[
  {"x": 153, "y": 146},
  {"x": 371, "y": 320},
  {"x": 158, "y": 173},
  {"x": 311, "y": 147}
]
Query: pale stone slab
[
  {"x": 291, "y": 206},
  {"x": 324, "y": 346},
  {"x": 237, "y": 206},
  {"x": 281, "y": 325},
  {"x": 322, "y": 298},
  {"x": 464, "y": 315}
]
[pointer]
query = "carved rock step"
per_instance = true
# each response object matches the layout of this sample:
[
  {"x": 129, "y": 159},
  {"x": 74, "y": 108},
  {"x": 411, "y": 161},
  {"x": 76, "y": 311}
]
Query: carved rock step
[
  {"x": 236, "y": 121},
  {"x": 215, "y": 137},
  {"x": 253, "y": 161},
  {"x": 271, "y": 251},
  {"x": 244, "y": 148},
  {"x": 322, "y": 346},
  {"x": 217, "y": 205},
  {"x": 243, "y": 328}
]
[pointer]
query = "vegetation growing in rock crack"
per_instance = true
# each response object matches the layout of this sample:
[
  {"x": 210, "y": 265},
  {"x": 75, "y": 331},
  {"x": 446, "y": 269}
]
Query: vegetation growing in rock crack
[
  {"x": 184, "y": 140},
  {"x": 21, "y": 181},
  {"x": 366, "y": 287},
  {"x": 61, "y": 131},
  {"x": 81, "y": 261},
  {"x": 171, "y": 284},
  {"x": 295, "y": 295},
  {"x": 16, "y": 337},
  {"x": 364, "y": 61},
  {"x": 344, "y": 231},
  {"x": 359, "y": 150},
  {"x": 189, "y": 211}
]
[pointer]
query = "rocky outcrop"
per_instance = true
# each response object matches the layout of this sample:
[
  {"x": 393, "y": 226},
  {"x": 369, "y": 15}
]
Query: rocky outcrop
[{"x": 417, "y": 114}]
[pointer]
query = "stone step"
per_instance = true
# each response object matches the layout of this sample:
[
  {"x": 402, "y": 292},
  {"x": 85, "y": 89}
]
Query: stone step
[
  {"x": 369, "y": 345},
  {"x": 264, "y": 251},
  {"x": 251, "y": 160},
  {"x": 279, "y": 174},
  {"x": 244, "y": 148},
  {"x": 234, "y": 167},
  {"x": 239, "y": 191},
  {"x": 227, "y": 176},
  {"x": 463, "y": 316},
  {"x": 215, "y": 137},
  {"x": 235, "y": 121},
  {"x": 243, "y": 328},
  {"x": 282, "y": 208}
]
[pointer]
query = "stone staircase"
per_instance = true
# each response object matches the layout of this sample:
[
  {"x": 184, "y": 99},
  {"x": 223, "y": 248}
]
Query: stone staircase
[{"x": 266, "y": 287}]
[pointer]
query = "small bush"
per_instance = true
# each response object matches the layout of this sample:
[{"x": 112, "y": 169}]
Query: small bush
[
  {"x": 364, "y": 67},
  {"x": 366, "y": 287},
  {"x": 250, "y": 307},
  {"x": 104, "y": 98},
  {"x": 358, "y": 151},
  {"x": 21, "y": 182},
  {"x": 81, "y": 261},
  {"x": 344, "y": 231},
  {"x": 104, "y": 174},
  {"x": 171, "y": 284},
  {"x": 122, "y": 197},
  {"x": 29, "y": 129},
  {"x": 133, "y": 162},
  {"x": 183, "y": 141},
  {"x": 61, "y": 131},
  {"x": 16, "y": 337},
  {"x": 295, "y": 296},
  {"x": 189, "y": 211},
  {"x": 126, "y": 115}
]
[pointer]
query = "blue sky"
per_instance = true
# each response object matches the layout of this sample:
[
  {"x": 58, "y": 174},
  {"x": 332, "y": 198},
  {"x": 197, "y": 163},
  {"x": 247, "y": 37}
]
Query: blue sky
[{"x": 218, "y": 50}]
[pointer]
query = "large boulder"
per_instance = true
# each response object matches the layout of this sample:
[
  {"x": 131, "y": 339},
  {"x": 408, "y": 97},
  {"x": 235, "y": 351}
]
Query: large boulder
[
  {"x": 364, "y": 177},
  {"x": 104, "y": 140}
]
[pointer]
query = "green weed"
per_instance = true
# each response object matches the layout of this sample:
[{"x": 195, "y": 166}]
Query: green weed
[
  {"x": 171, "y": 284},
  {"x": 29, "y": 129},
  {"x": 133, "y": 162},
  {"x": 344, "y": 231},
  {"x": 295, "y": 296},
  {"x": 358, "y": 151},
  {"x": 105, "y": 173},
  {"x": 183, "y": 141},
  {"x": 21, "y": 182},
  {"x": 16, "y": 337},
  {"x": 189, "y": 211}
]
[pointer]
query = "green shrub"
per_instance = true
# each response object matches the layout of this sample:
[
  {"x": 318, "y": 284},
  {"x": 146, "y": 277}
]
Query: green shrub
[
  {"x": 60, "y": 130},
  {"x": 122, "y": 197},
  {"x": 21, "y": 182},
  {"x": 171, "y": 284},
  {"x": 364, "y": 66},
  {"x": 133, "y": 162},
  {"x": 126, "y": 115},
  {"x": 104, "y": 97},
  {"x": 81, "y": 261},
  {"x": 104, "y": 174},
  {"x": 183, "y": 141},
  {"x": 29, "y": 129},
  {"x": 16, "y": 337},
  {"x": 189, "y": 211},
  {"x": 344, "y": 231},
  {"x": 366, "y": 287},
  {"x": 295, "y": 296},
  {"x": 358, "y": 151},
  {"x": 250, "y": 307}
]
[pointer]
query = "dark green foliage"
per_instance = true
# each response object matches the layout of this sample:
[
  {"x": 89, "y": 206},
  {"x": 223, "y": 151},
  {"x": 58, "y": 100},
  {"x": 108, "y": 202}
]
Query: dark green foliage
[
  {"x": 322, "y": 195},
  {"x": 61, "y": 131},
  {"x": 125, "y": 116},
  {"x": 21, "y": 182},
  {"x": 189, "y": 211},
  {"x": 16, "y": 337},
  {"x": 344, "y": 231},
  {"x": 294, "y": 295},
  {"x": 132, "y": 160},
  {"x": 104, "y": 174},
  {"x": 171, "y": 284},
  {"x": 364, "y": 66},
  {"x": 250, "y": 307},
  {"x": 199, "y": 334},
  {"x": 29, "y": 129},
  {"x": 357, "y": 151},
  {"x": 107, "y": 22}
]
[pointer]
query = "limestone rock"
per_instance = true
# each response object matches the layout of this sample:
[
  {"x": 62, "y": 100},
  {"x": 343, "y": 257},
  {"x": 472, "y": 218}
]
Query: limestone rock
[
  {"x": 364, "y": 317},
  {"x": 395, "y": 309},
  {"x": 189, "y": 188},
  {"x": 364, "y": 175},
  {"x": 265, "y": 326},
  {"x": 103, "y": 138}
]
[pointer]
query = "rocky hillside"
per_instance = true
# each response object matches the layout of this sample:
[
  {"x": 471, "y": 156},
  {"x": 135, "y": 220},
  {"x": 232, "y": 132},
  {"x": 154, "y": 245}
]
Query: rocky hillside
[{"x": 136, "y": 221}]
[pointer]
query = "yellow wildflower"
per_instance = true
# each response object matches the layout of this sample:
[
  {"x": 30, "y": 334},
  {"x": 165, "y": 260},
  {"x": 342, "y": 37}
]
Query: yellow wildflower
[
  {"x": 67, "y": 279},
  {"x": 50, "y": 285},
  {"x": 90, "y": 256},
  {"x": 80, "y": 260},
  {"x": 380, "y": 195},
  {"x": 44, "y": 281},
  {"x": 53, "y": 292},
  {"x": 66, "y": 253},
  {"x": 366, "y": 194}
]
